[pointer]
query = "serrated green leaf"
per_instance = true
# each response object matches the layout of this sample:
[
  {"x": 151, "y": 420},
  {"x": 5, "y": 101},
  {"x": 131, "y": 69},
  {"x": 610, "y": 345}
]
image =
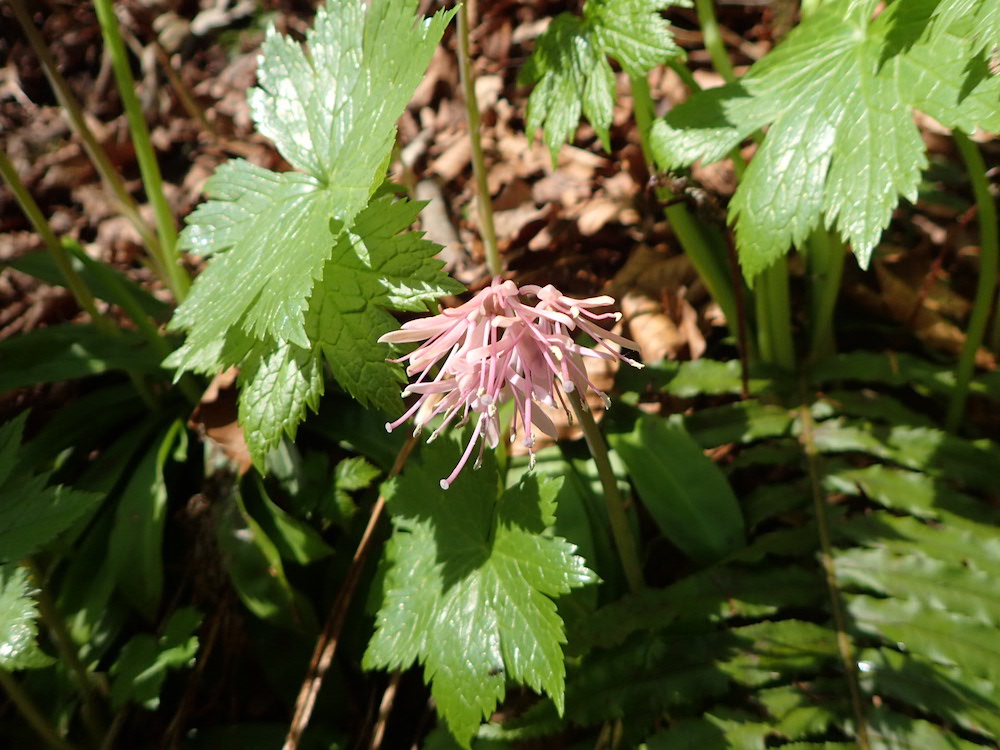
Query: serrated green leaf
[
  {"x": 932, "y": 688},
  {"x": 470, "y": 584},
  {"x": 144, "y": 661},
  {"x": 274, "y": 394},
  {"x": 32, "y": 514},
  {"x": 842, "y": 147},
  {"x": 354, "y": 473},
  {"x": 18, "y": 629},
  {"x": 571, "y": 70},
  {"x": 935, "y": 583},
  {"x": 307, "y": 262},
  {"x": 633, "y": 31},
  {"x": 713, "y": 595},
  {"x": 739, "y": 422},
  {"x": 981, "y": 15},
  {"x": 945, "y": 637}
]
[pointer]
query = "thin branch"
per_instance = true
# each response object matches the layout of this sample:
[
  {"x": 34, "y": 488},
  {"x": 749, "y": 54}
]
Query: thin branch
[
  {"x": 326, "y": 645},
  {"x": 31, "y": 713},
  {"x": 384, "y": 709},
  {"x": 844, "y": 646}
]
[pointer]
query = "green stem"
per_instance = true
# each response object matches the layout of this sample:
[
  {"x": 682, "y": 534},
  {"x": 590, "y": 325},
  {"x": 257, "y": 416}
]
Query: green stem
[
  {"x": 76, "y": 285},
  {"x": 774, "y": 321},
  {"x": 986, "y": 286},
  {"x": 66, "y": 646},
  {"x": 708, "y": 263},
  {"x": 102, "y": 162},
  {"x": 826, "y": 267},
  {"x": 176, "y": 277},
  {"x": 844, "y": 646},
  {"x": 31, "y": 713},
  {"x": 483, "y": 201},
  {"x": 79, "y": 289},
  {"x": 713, "y": 40},
  {"x": 624, "y": 541}
]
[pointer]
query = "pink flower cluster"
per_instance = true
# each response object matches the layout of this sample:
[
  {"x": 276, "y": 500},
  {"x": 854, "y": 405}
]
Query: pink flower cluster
[{"x": 498, "y": 347}]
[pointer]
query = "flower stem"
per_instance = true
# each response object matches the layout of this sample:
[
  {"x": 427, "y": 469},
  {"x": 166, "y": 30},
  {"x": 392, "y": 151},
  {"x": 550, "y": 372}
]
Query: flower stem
[
  {"x": 624, "y": 541},
  {"x": 986, "y": 287},
  {"x": 31, "y": 713},
  {"x": 169, "y": 260},
  {"x": 483, "y": 202}
]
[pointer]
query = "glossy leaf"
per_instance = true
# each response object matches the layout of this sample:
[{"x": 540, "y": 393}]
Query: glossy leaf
[
  {"x": 470, "y": 586},
  {"x": 842, "y": 147},
  {"x": 342, "y": 261},
  {"x": 570, "y": 64},
  {"x": 18, "y": 626},
  {"x": 135, "y": 547},
  {"x": 688, "y": 497}
]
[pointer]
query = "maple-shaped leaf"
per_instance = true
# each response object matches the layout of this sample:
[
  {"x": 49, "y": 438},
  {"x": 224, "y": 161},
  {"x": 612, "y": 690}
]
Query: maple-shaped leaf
[
  {"x": 842, "y": 146},
  {"x": 32, "y": 513},
  {"x": 570, "y": 64},
  {"x": 18, "y": 622},
  {"x": 294, "y": 273},
  {"x": 982, "y": 15},
  {"x": 470, "y": 585}
]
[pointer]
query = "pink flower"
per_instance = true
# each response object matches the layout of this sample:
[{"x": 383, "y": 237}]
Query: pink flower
[{"x": 497, "y": 347}]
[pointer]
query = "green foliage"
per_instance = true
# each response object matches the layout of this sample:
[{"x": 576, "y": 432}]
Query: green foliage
[
  {"x": 721, "y": 657},
  {"x": 136, "y": 544},
  {"x": 470, "y": 585},
  {"x": 143, "y": 663},
  {"x": 254, "y": 563},
  {"x": 571, "y": 69},
  {"x": 306, "y": 263},
  {"x": 18, "y": 628},
  {"x": 32, "y": 513},
  {"x": 69, "y": 352},
  {"x": 688, "y": 497},
  {"x": 842, "y": 147}
]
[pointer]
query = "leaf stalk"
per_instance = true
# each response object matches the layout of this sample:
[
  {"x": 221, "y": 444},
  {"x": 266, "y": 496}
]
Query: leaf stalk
[
  {"x": 176, "y": 277},
  {"x": 713, "y": 40},
  {"x": 986, "y": 286}
]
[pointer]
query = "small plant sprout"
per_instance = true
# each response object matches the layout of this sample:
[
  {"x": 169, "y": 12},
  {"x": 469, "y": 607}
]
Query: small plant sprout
[{"x": 497, "y": 347}]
